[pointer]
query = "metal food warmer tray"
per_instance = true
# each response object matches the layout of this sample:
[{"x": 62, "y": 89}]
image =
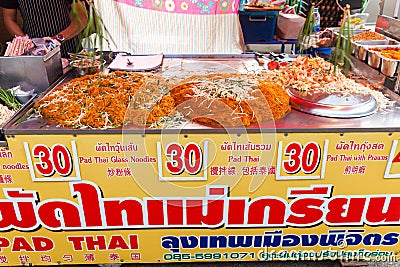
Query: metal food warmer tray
[
  {"x": 351, "y": 118},
  {"x": 338, "y": 162}
]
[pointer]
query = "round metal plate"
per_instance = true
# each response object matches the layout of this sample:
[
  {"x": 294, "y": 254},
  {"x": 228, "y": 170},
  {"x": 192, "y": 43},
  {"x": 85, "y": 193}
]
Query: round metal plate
[{"x": 333, "y": 105}]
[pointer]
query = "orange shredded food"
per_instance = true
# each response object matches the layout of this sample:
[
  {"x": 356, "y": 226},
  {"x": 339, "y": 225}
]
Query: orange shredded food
[
  {"x": 150, "y": 103},
  {"x": 368, "y": 36},
  {"x": 104, "y": 101},
  {"x": 389, "y": 52},
  {"x": 93, "y": 101},
  {"x": 227, "y": 100}
]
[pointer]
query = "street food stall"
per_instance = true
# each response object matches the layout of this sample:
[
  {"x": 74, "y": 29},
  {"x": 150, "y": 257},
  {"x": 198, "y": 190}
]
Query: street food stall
[{"x": 203, "y": 158}]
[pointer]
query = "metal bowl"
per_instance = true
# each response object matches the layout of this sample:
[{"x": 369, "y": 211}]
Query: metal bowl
[
  {"x": 87, "y": 66},
  {"x": 24, "y": 98},
  {"x": 388, "y": 66}
]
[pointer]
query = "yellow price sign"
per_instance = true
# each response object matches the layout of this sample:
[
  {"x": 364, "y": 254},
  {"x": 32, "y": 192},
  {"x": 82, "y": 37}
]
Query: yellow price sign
[{"x": 393, "y": 164}]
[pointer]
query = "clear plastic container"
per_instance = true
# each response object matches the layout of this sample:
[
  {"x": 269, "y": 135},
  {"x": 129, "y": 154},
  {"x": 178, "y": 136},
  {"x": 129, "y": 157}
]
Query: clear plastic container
[
  {"x": 358, "y": 20},
  {"x": 317, "y": 20}
]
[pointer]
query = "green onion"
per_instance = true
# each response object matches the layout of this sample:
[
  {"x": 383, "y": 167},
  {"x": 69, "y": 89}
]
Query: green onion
[
  {"x": 95, "y": 25},
  {"x": 9, "y": 99},
  {"x": 342, "y": 53},
  {"x": 305, "y": 34}
]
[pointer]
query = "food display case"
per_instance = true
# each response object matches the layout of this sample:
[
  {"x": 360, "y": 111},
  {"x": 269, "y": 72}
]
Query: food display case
[{"x": 302, "y": 187}]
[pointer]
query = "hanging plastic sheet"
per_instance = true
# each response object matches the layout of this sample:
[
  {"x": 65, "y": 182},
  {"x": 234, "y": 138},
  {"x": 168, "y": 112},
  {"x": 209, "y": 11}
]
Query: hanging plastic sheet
[{"x": 173, "y": 26}]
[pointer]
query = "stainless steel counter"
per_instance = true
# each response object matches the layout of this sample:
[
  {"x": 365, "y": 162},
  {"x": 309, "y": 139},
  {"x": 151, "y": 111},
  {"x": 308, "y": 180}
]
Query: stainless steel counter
[{"x": 176, "y": 69}]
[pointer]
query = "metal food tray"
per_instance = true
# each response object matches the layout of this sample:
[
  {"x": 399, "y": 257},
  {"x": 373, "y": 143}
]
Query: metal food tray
[
  {"x": 294, "y": 121},
  {"x": 387, "y": 66},
  {"x": 13, "y": 118},
  {"x": 355, "y": 45},
  {"x": 353, "y": 32},
  {"x": 373, "y": 42},
  {"x": 36, "y": 72},
  {"x": 333, "y": 105},
  {"x": 178, "y": 68},
  {"x": 358, "y": 44}
]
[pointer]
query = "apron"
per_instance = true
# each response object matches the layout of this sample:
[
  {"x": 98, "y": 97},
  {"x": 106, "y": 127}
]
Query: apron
[{"x": 42, "y": 18}]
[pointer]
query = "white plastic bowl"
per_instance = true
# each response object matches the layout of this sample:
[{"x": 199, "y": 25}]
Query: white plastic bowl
[{"x": 358, "y": 20}]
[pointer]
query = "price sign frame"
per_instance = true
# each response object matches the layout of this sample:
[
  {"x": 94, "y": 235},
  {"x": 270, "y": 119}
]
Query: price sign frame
[
  {"x": 180, "y": 177},
  {"x": 75, "y": 165},
  {"x": 279, "y": 162}
]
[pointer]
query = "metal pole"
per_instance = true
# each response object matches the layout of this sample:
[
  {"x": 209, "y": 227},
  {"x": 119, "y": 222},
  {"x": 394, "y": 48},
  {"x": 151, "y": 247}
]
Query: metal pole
[
  {"x": 381, "y": 5},
  {"x": 396, "y": 88},
  {"x": 396, "y": 9}
]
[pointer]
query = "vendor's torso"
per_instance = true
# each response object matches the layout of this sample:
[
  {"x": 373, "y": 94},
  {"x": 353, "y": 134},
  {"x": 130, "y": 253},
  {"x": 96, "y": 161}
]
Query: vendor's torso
[{"x": 42, "y": 18}]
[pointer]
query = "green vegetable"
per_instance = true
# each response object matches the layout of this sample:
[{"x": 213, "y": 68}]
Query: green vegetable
[
  {"x": 95, "y": 34},
  {"x": 341, "y": 56},
  {"x": 304, "y": 39},
  {"x": 9, "y": 99}
]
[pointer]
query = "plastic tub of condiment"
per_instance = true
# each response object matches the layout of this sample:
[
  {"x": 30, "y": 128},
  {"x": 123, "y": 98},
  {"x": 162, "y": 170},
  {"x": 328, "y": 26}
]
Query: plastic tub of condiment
[{"x": 358, "y": 20}]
